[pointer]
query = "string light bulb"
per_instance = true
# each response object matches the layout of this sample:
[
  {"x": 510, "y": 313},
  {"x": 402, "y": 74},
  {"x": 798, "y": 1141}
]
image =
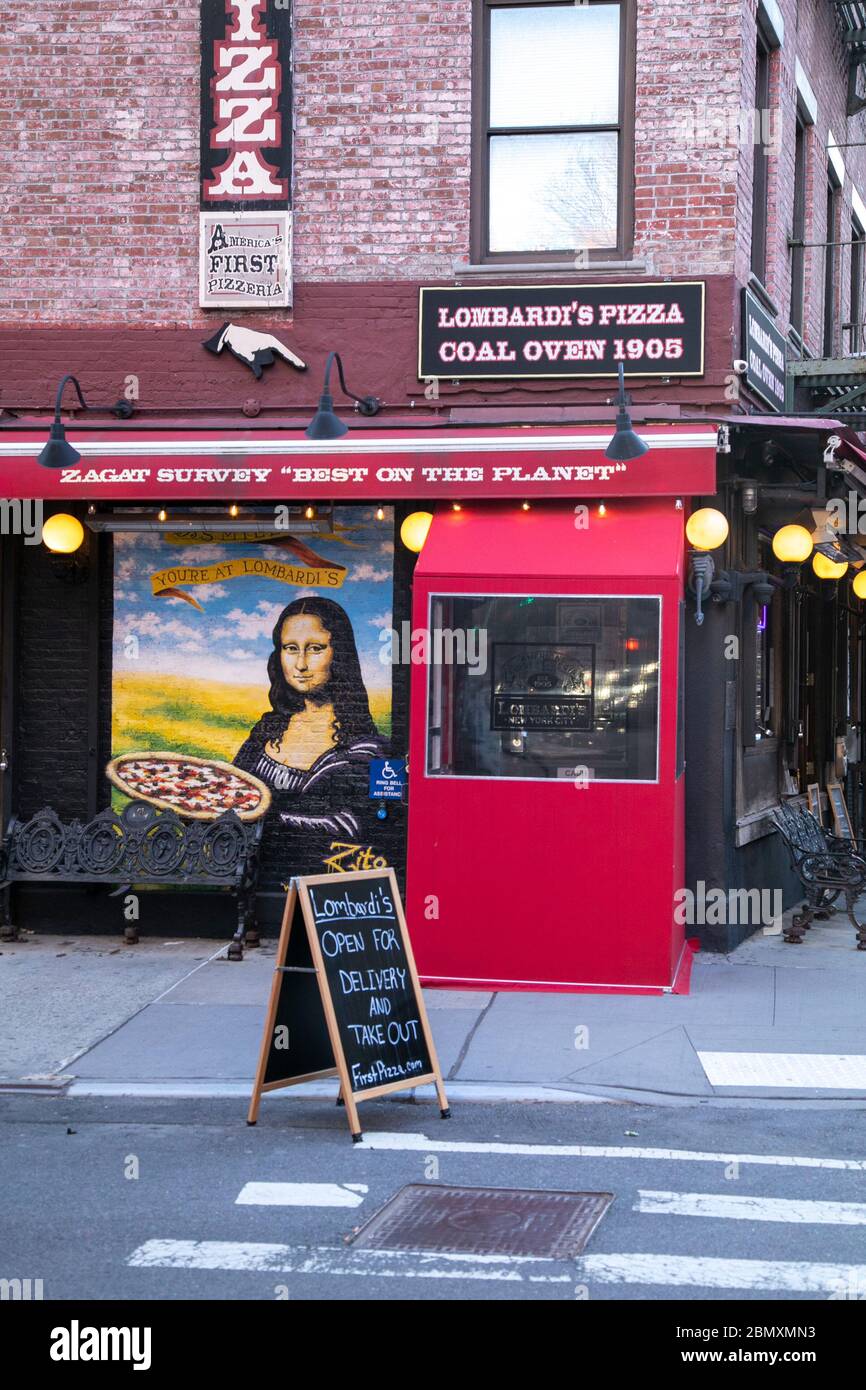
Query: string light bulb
[
  {"x": 524, "y": 506},
  {"x": 162, "y": 514},
  {"x": 380, "y": 513},
  {"x": 234, "y": 509},
  {"x": 310, "y": 513},
  {"x": 456, "y": 507},
  {"x": 602, "y": 509}
]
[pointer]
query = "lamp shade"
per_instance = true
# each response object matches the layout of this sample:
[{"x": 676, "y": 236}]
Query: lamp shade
[
  {"x": 827, "y": 569},
  {"x": 859, "y": 585},
  {"x": 707, "y": 528},
  {"x": 625, "y": 445},
  {"x": 413, "y": 532},
  {"x": 62, "y": 533},
  {"x": 792, "y": 544},
  {"x": 325, "y": 424},
  {"x": 58, "y": 452}
]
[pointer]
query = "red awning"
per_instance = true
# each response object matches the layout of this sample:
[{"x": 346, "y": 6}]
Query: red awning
[
  {"x": 632, "y": 539},
  {"x": 251, "y": 465}
]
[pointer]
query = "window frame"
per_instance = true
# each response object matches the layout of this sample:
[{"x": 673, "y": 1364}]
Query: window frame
[
  {"x": 834, "y": 199},
  {"x": 797, "y": 305},
  {"x": 480, "y": 160},
  {"x": 855, "y": 305},
  {"x": 433, "y": 696},
  {"x": 761, "y": 162}
]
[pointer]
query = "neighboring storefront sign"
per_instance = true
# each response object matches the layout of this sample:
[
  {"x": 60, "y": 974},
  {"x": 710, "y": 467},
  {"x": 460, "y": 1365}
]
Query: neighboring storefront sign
[
  {"x": 653, "y": 329},
  {"x": 237, "y": 652},
  {"x": 764, "y": 352},
  {"x": 366, "y": 465},
  {"x": 245, "y": 232}
]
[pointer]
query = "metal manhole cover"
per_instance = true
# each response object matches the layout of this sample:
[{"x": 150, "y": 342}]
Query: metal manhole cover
[{"x": 485, "y": 1220}]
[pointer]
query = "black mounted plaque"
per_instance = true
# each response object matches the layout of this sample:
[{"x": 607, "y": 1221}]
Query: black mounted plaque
[
  {"x": 764, "y": 352},
  {"x": 653, "y": 329}
]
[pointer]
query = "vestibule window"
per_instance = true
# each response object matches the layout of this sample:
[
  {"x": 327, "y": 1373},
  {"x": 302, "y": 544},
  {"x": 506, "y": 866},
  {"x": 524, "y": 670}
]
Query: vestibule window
[{"x": 552, "y": 130}]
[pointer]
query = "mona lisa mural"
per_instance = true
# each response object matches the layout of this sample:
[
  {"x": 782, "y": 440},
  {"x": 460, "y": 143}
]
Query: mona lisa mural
[{"x": 265, "y": 653}]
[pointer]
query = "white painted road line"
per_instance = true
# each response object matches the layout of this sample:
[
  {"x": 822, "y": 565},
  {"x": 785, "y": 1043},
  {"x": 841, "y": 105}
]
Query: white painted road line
[
  {"x": 301, "y": 1194},
  {"x": 803, "y": 1070},
  {"x": 732, "y": 1208},
  {"x": 420, "y": 1143},
  {"x": 384, "y": 1264},
  {"x": 700, "y": 1272}
]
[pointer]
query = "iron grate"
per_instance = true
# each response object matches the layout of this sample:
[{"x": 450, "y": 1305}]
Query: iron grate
[{"x": 485, "y": 1220}]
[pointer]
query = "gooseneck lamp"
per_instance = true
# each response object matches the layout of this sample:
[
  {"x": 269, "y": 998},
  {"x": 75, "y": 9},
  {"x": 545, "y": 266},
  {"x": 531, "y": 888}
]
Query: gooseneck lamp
[
  {"x": 58, "y": 452},
  {"x": 625, "y": 443},
  {"x": 325, "y": 424}
]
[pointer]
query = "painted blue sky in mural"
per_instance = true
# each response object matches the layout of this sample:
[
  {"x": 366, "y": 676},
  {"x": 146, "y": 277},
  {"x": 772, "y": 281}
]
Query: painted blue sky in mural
[{"x": 230, "y": 640}]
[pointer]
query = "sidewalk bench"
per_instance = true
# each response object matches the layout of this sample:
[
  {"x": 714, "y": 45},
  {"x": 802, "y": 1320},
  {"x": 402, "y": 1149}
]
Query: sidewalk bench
[
  {"x": 826, "y": 866},
  {"x": 142, "y": 847}
]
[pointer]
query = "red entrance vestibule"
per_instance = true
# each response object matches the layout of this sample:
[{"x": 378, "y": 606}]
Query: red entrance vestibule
[{"x": 546, "y": 768}]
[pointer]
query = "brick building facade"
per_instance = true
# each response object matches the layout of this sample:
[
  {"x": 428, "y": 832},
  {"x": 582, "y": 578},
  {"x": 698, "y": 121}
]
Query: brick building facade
[{"x": 390, "y": 150}]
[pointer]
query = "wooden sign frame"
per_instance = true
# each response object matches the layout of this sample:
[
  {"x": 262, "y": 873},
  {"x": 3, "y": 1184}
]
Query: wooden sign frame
[
  {"x": 814, "y": 793},
  {"x": 299, "y": 894},
  {"x": 844, "y": 829}
]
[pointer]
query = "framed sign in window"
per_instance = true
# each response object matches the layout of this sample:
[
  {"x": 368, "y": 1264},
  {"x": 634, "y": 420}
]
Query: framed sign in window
[{"x": 841, "y": 819}]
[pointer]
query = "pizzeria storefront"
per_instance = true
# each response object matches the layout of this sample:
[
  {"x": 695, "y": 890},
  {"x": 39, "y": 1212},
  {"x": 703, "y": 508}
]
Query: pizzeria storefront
[{"x": 504, "y": 725}]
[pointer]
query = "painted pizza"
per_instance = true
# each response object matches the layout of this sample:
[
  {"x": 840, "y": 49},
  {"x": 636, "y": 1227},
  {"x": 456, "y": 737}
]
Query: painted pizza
[{"x": 201, "y": 788}]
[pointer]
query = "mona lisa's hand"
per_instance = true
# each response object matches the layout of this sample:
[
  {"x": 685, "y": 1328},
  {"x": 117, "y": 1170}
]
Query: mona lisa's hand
[{"x": 339, "y": 823}]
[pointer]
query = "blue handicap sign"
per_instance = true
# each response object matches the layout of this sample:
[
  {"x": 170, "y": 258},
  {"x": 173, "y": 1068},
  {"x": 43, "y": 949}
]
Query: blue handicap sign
[{"x": 387, "y": 778}]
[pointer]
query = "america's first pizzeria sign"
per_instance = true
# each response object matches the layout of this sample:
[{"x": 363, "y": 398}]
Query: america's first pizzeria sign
[{"x": 245, "y": 222}]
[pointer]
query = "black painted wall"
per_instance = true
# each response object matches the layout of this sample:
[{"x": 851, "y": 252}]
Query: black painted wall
[{"x": 63, "y": 619}]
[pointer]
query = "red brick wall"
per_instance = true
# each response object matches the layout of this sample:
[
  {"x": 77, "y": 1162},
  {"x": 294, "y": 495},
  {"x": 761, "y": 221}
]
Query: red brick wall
[{"x": 100, "y": 128}]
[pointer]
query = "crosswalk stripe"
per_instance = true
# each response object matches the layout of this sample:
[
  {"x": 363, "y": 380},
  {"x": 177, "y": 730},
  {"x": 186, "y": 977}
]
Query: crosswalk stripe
[
  {"x": 301, "y": 1194},
  {"x": 710, "y": 1273},
  {"x": 421, "y": 1143},
  {"x": 821, "y": 1071},
  {"x": 261, "y": 1257},
  {"x": 735, "y": 1208}
]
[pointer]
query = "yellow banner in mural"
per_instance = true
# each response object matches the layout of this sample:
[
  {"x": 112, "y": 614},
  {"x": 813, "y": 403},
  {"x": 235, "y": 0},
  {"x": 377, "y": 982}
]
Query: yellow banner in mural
[{"x": 167, "y": 583}]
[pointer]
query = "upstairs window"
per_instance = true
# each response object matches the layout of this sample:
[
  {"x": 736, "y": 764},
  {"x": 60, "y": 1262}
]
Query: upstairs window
[{"x": 552, "y": 130}]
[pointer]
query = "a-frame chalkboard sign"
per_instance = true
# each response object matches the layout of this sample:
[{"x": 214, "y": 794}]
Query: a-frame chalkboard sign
[{"x": 345, "y": 999}]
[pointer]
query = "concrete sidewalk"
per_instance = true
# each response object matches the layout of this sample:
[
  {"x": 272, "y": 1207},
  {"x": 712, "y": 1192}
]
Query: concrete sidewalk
[{"x": 172, "y": 1018}]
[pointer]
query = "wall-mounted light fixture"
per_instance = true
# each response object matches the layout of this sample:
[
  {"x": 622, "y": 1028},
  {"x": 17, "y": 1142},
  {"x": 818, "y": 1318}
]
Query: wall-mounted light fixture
[
  {"x": 792, "y": 545},
  {"x": 625, "y": 443},
  {"x": 706, "y": 530},
  {"x": 325, "y": 424},
  {"x": 413, "y": 531},
  {"x": 58, "y": 452}
]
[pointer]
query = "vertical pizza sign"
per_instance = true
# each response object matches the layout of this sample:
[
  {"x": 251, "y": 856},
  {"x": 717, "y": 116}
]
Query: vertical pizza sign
[{"x": 245, "y": 221}]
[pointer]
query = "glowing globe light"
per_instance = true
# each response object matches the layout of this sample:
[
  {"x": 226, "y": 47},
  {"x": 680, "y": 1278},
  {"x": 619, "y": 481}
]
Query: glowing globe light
[
  {"x": 62, "y": 533},
  {"x": 413, "y": 532},
  {"x": 792, "y": 544},
  {"x": 828, "y": 569},
  {"x": 859, "y": 585},
  {"x": 707, "y": 528}
]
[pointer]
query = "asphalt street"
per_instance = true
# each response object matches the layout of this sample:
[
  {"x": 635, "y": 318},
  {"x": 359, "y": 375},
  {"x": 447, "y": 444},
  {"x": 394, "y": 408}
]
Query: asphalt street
[{"x": 181, "y": 1200}]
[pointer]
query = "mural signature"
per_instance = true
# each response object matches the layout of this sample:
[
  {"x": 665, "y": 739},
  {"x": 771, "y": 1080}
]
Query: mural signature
[{"x": 349, "y": 858}]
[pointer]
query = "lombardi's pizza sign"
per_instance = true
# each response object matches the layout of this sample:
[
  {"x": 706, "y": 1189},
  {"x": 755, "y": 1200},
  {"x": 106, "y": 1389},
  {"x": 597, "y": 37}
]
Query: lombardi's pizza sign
[
  {"x": 562, "y": 330},
  {"x": 245, "y": 231}
]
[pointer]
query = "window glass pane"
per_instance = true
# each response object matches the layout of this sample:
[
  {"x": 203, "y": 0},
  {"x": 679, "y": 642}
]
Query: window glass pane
[
  {"x": 554, "y": 65},
  {"x": 546, "y": 687},
  {"x": 553, "y": 192}
]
